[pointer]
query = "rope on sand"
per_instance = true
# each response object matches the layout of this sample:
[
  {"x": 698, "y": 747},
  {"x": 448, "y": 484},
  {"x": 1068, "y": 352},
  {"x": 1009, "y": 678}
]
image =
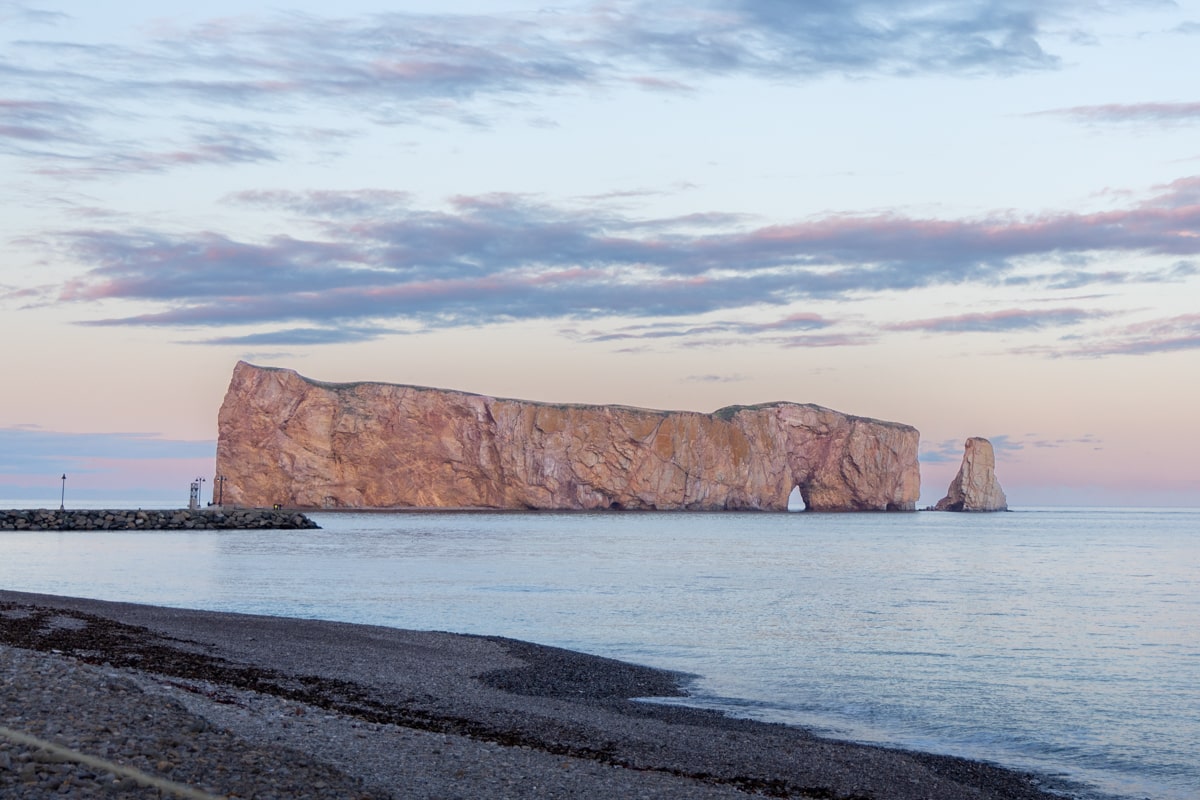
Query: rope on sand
[{"x": 135, "y": 775}]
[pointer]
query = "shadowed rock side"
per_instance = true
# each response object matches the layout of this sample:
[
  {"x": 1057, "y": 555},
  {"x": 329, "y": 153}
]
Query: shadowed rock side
[
  {"x": 283, "y": 438},
  {"x": 975, "y": 487}
]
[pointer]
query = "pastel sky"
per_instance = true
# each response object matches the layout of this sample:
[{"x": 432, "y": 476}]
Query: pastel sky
[{"x": 981, "y": 218}]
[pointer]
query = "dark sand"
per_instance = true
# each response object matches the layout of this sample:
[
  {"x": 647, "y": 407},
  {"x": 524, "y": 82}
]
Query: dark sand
[{"x": 426, "y": 714}]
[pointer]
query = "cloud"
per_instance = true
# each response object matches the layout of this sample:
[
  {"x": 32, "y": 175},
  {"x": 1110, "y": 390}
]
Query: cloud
[
  {"x": 403, "y": 66},
  {"x": 721, "y": 328},
  {"x": 375, "y": 260},
  {"x": 947, "y": 451},
  {"x": 1004, "y": 445},
  {"x": 1159, "y": 113},
  {"x": 897, "y": 36},
  {"x": 100, "y": 467},
  {"x": 1088, "y": 439},
  {"x": 999, "y": 321},
  {"x": 305, "y": 336},
  {"x": 405, "y": 57},
  {"x": 217, "y": 149},
  {"x": 1163, "y": 335},
  {"x": 28, "y": 450},
  {"x": 712, "y": 378},
  {"x": 130, "y": 104},
  {"x": 826, "y": 340},
  {"x": 21, "y": 13},
  {"x": 67, "y": 139},
  {"x": 1074, "y": 279},
  {"x": 336, "y": 204},
  {"x": 29, "y": 124}
]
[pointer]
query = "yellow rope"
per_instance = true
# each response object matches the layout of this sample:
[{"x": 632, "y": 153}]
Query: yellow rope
[{"x": 135, "y": 775}]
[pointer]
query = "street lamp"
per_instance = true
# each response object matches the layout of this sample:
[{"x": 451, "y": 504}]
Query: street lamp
[
  {"x": 199, "y": 490},
  {"x": 62, "y": 503},
  {"x": 220, "y": 481}
]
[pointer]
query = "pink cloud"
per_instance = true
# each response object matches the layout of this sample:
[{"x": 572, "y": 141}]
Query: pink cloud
[
  {"x": 660, "y": 84},
  {"x": 1130, "y": 112},
  {"x": 503, "y": 256},
  {"x": 992, "y": 321},
  {"x": 1164, "y": 335}
]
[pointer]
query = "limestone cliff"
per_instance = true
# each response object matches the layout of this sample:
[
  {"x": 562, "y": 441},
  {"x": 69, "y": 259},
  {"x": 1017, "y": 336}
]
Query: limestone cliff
[
  {"x": 975, "y": 487},
  {"x": 286, "y": 439}
]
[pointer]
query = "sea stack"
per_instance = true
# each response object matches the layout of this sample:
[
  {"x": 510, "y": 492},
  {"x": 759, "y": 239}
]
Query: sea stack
[
  {"x": 283, "y": 438},
  {"x": 975, "y": 487}
]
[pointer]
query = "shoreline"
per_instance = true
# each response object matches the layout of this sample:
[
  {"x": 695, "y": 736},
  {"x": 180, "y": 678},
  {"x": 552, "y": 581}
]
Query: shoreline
[{"x": 391, "y": 711}]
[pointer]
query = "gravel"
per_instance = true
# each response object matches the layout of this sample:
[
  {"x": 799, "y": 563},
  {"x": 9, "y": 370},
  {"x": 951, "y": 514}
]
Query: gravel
[{"x": 244, "y": 706}]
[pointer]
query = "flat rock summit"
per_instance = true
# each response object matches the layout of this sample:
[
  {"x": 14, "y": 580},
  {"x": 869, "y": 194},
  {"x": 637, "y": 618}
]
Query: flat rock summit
[{"x": 285, "y": 439}]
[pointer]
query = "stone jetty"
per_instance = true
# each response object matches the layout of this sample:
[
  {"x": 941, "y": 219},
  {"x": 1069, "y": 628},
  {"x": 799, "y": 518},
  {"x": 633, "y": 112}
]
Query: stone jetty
[{"x": 150, "y": 519}]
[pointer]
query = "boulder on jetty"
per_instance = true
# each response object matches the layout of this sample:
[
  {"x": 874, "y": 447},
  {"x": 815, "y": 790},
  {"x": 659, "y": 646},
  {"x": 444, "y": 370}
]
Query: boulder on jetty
[
  {"x": 150, "y": 520},
  {"x": 283, "y": 438},
  {"x": 975, "y": 487}
]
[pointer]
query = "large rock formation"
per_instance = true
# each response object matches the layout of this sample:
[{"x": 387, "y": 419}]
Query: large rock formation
[
  {"x": 975, "y": 487},
  {"x": 286, "y": 439}
]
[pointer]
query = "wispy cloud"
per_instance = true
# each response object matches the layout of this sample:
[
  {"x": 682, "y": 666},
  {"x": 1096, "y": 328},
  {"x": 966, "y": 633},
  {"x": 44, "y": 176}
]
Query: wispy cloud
[
  {"x": 1079, "y": 278},
  {"x": 217, "y": 149},
  {"x": 305, "y": 337},
  {"x": 98, "y": 466},
  {"x": 1159, "y": 113},
  {"x": 1163, "y": 335},
  {"x": 1012, "y": 319},
  {"x": 719, "y": 328},
  {"x": 859, "y": 37},
  {"x": 1087, "y": 440},
  {"x": 1005, "y": 446},
  {"x": 23, "y": 13},
  {"x": 947, "y": 451},
  {"x": 116, "y": 100},
  {"x": 375, "y": 260},
  {"x": 29, "y": 450},
  {"x": 400, "y": 57},
  {"x": 25, "y": 124},
  {"x": 714, "y": 378}
]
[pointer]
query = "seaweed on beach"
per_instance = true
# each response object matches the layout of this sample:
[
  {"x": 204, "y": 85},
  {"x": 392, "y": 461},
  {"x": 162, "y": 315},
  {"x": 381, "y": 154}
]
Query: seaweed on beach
[
  {"x": 757, "y": 758},
  {"x": 101, "y": 641}
]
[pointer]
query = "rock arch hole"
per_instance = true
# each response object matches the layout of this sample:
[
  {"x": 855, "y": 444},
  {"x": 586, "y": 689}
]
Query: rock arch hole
[{"x": 796, "y": 501}]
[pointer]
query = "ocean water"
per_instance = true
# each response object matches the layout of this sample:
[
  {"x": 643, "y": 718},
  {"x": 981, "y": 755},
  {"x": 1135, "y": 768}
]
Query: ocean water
[{"x": 1062, "y": 641}]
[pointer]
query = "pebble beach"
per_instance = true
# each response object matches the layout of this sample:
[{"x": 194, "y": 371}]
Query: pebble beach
[{"x": 114, "y": 700}]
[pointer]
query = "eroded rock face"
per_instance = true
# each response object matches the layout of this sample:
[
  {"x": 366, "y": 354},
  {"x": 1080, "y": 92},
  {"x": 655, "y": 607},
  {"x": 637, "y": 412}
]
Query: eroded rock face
[
  {"x": 286, "y": 439},
  {"x": 975, "y": 488}
]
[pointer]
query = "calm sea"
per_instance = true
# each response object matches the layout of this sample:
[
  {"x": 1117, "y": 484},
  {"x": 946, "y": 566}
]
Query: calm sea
[{"x": 1066, "y": 642}]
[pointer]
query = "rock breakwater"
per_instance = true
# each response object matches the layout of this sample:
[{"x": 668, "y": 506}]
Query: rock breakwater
[{"x": 150, "y": 519}]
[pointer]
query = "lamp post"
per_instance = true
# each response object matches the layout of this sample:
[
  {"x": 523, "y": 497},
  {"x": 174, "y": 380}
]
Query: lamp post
[
  {"x": 220, "y": 481},
  {"x": 199, "y": 490},
  {"x": 62, "y": 502}
]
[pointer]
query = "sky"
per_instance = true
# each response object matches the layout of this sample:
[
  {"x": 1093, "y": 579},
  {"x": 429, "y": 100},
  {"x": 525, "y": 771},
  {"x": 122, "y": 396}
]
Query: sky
[{"x": 980, "y": 218}]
